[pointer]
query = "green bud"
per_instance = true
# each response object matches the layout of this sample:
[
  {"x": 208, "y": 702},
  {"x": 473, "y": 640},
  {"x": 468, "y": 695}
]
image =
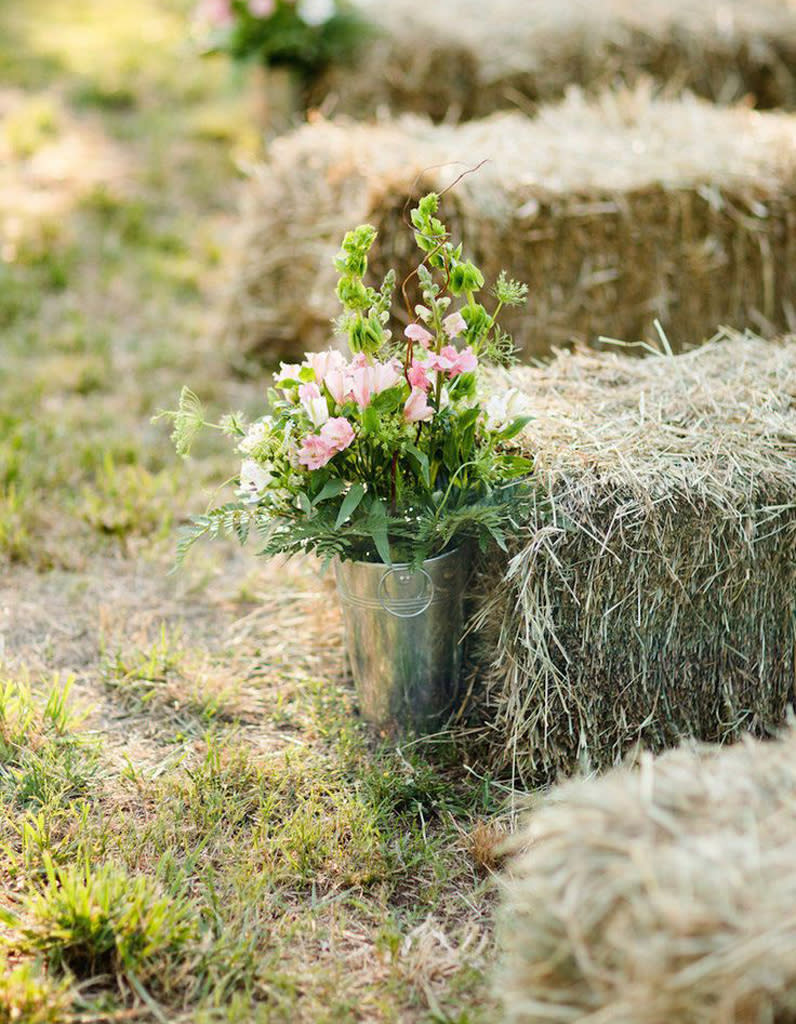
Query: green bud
[{"x": 466, "y": 277}]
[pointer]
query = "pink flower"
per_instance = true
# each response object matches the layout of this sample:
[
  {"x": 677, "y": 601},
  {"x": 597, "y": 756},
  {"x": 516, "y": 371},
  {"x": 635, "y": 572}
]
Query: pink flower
[
  {"x": 315, "y": 452},
  {"x": 360, "y": 385},
  {"x": 416, "y": 407},
  {"x": 385, "y": 375},
  {"x": 454, "y": 324},
  {"x": 338, "y": 383},
  {"x": 444, "y": 360},
  {"x": 418, "y": 377},
  {"x": 370, "y": 380},
  {"x": 466, "y": 362},
  {"x": 261, "y": 8},
  {"x": 335, "y": 436},
  {"x": 323, "y": 363},
  {"x": 449, "y": 361},
  {"x": 338, "y": 433},
  {"x": 415, "y": 332},
  {"x": 215, "y": 12}
]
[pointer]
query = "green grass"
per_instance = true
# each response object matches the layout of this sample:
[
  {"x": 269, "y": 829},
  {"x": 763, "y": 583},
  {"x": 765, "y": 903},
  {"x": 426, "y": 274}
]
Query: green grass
[{"x": 215, "y": 837}]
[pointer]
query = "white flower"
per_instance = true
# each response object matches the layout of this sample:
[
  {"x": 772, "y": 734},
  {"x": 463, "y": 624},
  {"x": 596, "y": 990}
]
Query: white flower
[
  {"x": 255, "y": 435},
  {"x": 502, "y": 408},
  {"x": 316, "y": 12},
  {"x": 287, "y": 371},
  {"x": 314, "y": 404},
  {"x": 254, "y": 479}
]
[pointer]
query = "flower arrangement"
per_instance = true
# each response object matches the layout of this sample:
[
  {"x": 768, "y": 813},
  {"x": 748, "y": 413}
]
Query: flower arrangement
[
  {"x": 395, "y": 452},
  {"x": 304, "y": 34}
]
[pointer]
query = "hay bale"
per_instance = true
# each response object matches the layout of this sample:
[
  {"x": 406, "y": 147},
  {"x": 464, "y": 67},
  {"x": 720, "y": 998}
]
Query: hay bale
[
  {"x": 446, "y": 59},
  {"x": 652, "y": 595},
  {"x": 615, "y": 212},
  {"x": 658, "y": 896}
]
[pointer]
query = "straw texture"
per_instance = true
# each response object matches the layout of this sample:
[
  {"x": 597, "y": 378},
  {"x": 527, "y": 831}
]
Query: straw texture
[
  {"x": 616, "y": 212},
  {"x": 662, "y": 895},
  {"x": 464, "y": 59},
  {"x": 653, "y": 594}
]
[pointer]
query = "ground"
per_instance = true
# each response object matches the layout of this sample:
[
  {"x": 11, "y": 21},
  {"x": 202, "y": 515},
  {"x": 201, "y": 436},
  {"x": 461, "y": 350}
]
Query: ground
[{"x": 194, "y": 823}]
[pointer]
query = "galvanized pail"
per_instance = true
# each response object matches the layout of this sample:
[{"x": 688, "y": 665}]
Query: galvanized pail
[{"x": 403, "y": 630}]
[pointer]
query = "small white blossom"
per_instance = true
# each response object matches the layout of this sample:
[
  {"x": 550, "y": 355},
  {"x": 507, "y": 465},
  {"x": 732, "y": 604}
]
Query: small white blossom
[
  {"x": 316, "y": 12},
  {"x": 255, "y": 435}
]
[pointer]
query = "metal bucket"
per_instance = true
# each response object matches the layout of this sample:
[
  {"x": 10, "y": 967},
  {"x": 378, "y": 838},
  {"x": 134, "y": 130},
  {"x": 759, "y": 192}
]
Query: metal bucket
[{"x": 403, "y": 630}]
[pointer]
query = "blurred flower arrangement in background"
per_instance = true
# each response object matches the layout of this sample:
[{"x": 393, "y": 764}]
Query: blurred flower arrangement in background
[
  {"x": 302, "y": 34},
  {"x": 397, "y": 451}
]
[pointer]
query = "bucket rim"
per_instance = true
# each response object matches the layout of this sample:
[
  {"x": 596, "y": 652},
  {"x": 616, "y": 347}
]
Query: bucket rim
[{"x": 403, "y": 565}]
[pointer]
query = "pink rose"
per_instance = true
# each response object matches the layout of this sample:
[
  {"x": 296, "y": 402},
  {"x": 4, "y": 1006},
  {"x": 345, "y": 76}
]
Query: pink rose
[
  {"x": 314, "y": 452},
  {"x": 415, "y": 332},
  {"x": 336, "y": 435},
  {"x": 418, "y": 377},
  {"x": 454, "y": 324},
  {"x": 416, "y": 408}
]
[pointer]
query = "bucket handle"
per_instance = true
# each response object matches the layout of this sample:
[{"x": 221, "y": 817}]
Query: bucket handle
[{"x": 406, "y": 615}]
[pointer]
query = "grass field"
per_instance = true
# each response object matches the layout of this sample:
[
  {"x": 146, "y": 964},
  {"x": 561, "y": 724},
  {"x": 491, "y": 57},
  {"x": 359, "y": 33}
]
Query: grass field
[{"x": 194, "y": 825}]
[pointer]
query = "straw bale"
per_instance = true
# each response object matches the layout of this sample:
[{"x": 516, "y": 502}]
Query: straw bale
[
  {"x": 463, "y": 58},
  {"x": 652, "y": 594},
  {"x": 616, "y": 212},
  {"x": 662, "y": 895}
]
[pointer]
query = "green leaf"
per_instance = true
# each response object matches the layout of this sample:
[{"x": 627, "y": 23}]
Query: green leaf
[
  {"x": 450, "y": 452},
  {"x": 468, "y": 417},
  {"x": 377, "y": 525},
  {"x": 304, "y": 503},
  {"x": 416, "y": 456},
  {"x": 388, "y": 400},
  {"x": 513, "y": 428},
  {"x": 517, "y": 465},
  {"x": 370, "y": 420},
  {"x": 350, "y": 503},
  {"x": 331, "y": 489}
]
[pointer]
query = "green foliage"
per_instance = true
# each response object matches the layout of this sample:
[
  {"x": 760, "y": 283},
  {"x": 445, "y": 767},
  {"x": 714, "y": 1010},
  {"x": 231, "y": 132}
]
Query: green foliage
[
  {"x": 187, "y": 420},
  {"x": 103, "y": 920},
  {"x": 43, "y": 760},
  {"x": 29, "y": 996},
  {"x": 285, "y": 38}
]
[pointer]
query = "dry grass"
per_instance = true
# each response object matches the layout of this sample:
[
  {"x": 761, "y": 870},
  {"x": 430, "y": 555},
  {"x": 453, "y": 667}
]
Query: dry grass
[
  {"x": 652, "y": 595},
  {"x": 659, "y": 895},
  {"x": 615, "y": 212}
]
